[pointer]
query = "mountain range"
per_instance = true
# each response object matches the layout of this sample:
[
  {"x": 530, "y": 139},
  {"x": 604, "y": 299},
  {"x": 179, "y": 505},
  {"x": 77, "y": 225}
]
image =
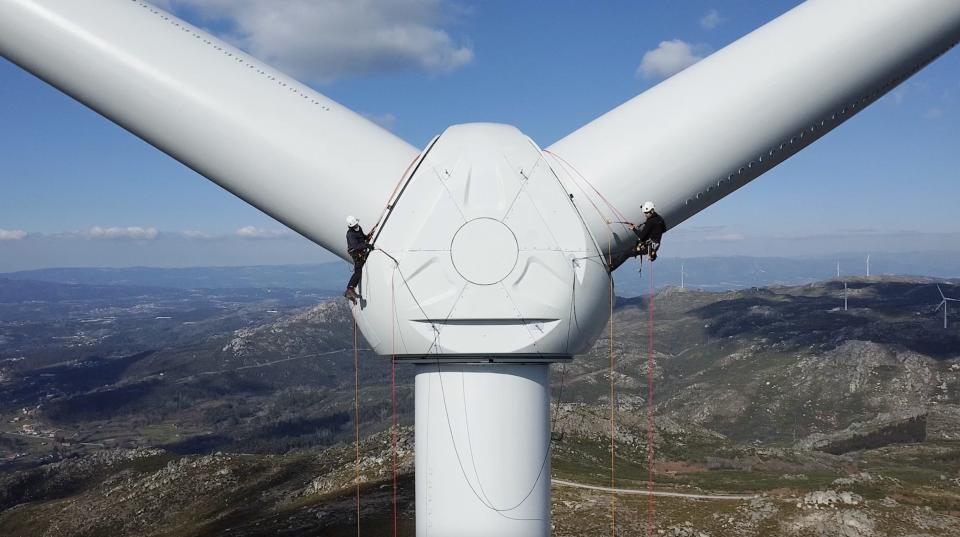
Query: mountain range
[{"x": 157, "y": 410}]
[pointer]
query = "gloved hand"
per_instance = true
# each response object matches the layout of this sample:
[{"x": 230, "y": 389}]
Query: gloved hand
[{"x": 653, "y": 255}]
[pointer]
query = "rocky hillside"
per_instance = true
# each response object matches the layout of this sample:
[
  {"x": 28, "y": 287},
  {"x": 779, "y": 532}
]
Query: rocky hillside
[
  {"x": 152, "y": 492},
  {"x": 240, "y": 416},
  {"x": 776, "y": 366}
]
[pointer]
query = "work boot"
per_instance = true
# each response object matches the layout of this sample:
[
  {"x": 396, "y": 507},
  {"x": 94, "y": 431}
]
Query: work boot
[{"x": 351, "y": 295}]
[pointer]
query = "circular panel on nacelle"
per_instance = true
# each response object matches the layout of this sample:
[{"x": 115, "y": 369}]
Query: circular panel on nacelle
[{"x": 484, "y": 251}]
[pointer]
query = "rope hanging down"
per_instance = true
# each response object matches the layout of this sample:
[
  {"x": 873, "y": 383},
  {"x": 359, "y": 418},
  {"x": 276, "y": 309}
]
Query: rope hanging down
[
  {"x": 613, "y": 409},
  {"x": 622, "y": 220},
  {"x": 393, "y": 421},
  {"x": 650, "y": 501},
  {"x": 480, "y": 495},
  {"x": 356, "y": 419},
  {"x": 393, "y": 399}
]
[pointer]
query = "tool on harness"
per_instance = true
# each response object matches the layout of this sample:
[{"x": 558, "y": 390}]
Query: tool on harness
[{"x": 649, "y": 249}]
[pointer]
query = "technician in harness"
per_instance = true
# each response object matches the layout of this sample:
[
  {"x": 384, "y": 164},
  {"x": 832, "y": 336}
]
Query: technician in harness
[
  {"x": 358, "y": 246},
  {"x": 648, "y": 237}
]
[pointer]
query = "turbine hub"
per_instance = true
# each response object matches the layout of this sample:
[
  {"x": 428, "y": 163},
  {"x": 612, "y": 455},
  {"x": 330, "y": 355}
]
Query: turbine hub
[
  {"x": 484, "y": 251},
  {"x": 483, "y": 256}
]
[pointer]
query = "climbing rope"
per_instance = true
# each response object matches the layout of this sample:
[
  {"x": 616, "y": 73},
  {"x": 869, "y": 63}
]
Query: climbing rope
[
  {"x": 356, "y": 420},
  {"x": 608, "y": 203},
  {"x": 481, "y": 494},
  {"x": 613, "y": 406},
  {"x": 393, "y": 398},
  {"x": 650, "y": 501}
]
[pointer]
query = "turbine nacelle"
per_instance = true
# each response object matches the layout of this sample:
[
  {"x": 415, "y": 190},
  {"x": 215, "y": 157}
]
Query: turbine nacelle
[{"x": 483, "y": 255}]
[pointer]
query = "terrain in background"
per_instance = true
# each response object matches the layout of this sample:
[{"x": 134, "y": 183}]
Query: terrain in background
[
  {"x": 163, "y": 410},
  {"x": 709, "y": 273}
]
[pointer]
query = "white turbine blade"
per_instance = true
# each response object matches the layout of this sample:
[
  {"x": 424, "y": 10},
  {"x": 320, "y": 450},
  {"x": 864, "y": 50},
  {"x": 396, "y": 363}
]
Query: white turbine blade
[
  {"x": 284, "y": 148},
  {"x": 722, "y": 122},
  {"x": 940, "y": 305},
  {"x": 941, "y": 292}
]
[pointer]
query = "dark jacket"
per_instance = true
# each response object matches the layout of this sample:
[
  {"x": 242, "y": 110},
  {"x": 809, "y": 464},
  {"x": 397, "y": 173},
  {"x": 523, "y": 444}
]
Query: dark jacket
[
  {"x": 357, "y": 240},
  {"x": 652, "y": 229}
]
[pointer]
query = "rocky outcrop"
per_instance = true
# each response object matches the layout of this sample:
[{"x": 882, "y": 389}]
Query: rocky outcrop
[{"x": 905, "y": 427}]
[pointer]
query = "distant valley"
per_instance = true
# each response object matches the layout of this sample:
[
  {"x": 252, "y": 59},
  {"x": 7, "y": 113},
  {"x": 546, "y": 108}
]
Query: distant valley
[
  {"x": 213, "y": 408},
  {"x": 707, "y": 273}
]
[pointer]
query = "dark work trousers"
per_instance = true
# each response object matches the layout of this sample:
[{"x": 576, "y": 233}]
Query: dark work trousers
[
  {"x": 638, "y": 249},
  {"x": 359, "y": 258}
]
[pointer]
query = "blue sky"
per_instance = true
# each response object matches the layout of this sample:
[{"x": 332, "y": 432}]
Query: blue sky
[{"x": 79, "y": 191}]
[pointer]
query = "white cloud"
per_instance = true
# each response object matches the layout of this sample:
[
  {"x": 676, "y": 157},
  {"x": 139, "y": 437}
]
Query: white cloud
[
  {"x": 136, "y": 233},
  {"x": 933, "y": 113},
  {"x": 708, "y": 234},
  {"x": 323, "y": 40},
  {"x": 711, "y": 20},
  {"x": 251, "y": 232},
  {"x": 725, "y": 237},
  {"x": 191, "y": 234},
  {"x": 387, "y": 121},
  {"x": 12, "y": 234},
  {"x": 668, "y": 59}
]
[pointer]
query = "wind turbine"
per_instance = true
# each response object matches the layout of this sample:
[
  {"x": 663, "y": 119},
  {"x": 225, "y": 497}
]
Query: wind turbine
[
  {"x": 943, "y": 304},
  {"x": 868, "y": 265},
  {"x": 491, "y": 262},
  {"x": 682, "y": 274}
]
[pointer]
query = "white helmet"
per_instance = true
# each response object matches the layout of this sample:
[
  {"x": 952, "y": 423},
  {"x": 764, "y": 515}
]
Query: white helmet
[
  {"x": 352, "y": 221},
  {"x": 648, "y": 207}
]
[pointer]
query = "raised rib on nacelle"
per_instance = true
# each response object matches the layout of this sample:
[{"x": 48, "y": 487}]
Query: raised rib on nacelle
[
  {"x": 284, "y": 148},
  {"x": 721, "y": 123}
]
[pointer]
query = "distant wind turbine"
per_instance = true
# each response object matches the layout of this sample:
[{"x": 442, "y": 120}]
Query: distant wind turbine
[
  {"x": 757, "y": 273},
  {"x": 230, "y": 117},
  {"x": 682, "y": 273},
  {"x": 838, "y": 268},
  {"x": 868, "y": 265},
  {"x": 844, "y": 296},
  {"x": 943, "y": 303}
]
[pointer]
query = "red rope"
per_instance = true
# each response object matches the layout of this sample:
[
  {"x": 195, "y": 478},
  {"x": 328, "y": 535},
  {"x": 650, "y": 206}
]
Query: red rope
[
  {"x": 610, "y": 205},
  {"x": 356, "y": 420},
  {"x": 396, "y": 188},
  {"x": 650, "y": 502},
  {"x": 613, "y": 417},
  {"x": 393, "y": 396}
]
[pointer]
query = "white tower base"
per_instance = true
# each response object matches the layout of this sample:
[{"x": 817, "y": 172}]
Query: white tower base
[{"x": 483, "y": 449}]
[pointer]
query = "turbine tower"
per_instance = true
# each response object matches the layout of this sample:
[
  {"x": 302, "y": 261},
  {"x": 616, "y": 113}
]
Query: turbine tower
[
  {"x": 943, "y": 304},
  {"x": 868, "y": 265},
  {"x": 491, "y": 262}
]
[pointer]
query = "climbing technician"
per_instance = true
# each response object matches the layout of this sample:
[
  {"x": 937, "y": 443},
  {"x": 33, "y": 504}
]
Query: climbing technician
[
  {"x": 649, "y": 234},
  {"x": 358, "y": 246}
]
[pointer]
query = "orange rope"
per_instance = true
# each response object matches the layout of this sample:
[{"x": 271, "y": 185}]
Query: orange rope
[
  {"x": 613, "y": 415},
  {"x": 610, "y": 205},
  {"x": 356, "y": 420},
  {"x": 396, "y": 188},
  {"x": 650, "y": 502},
  {"x": 393, "y": 396}
]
